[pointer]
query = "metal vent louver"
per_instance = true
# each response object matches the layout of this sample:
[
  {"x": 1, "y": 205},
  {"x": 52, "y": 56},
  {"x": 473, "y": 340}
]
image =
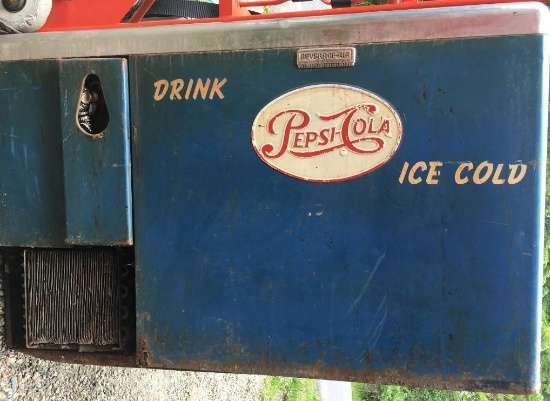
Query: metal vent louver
[{"x": 72, "y": 299}]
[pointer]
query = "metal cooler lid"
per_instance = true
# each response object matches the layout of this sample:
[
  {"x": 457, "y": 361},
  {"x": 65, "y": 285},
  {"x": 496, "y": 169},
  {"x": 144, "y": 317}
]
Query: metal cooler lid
[{"x": 370, "y": 27}]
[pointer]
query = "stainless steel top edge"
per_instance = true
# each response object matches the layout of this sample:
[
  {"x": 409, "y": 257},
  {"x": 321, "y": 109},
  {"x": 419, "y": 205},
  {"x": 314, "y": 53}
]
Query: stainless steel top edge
[{"x": 328, "y": 30}]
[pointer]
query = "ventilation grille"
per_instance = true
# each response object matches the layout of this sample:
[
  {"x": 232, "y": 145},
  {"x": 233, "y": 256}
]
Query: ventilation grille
[{"x": 72, "y": 299}]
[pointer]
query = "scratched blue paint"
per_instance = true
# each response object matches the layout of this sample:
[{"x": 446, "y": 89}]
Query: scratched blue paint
[
  {"x": 242, "y": 268},
  {"x": 32, "y": 206},
  {"x": 97, "y": 168},
  {"x": 58, "y": 186}
]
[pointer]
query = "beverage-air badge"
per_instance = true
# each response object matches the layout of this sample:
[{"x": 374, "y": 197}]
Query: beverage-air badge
[{"x": 327, "y": 133}]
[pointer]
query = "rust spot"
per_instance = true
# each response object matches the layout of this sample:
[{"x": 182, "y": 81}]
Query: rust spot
[
  {"x": 422, "y": 98},
  {"x": 533, "y": 163},
  {"x": 319, "y": 370},
  {"x": 368, "y": 358},
  {"x": 135, "y": 132},
  {"x": 143, "y": 354}
]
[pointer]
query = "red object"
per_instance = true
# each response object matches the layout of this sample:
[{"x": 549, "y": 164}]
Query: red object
[
  {"x": 231, "y": 8},
  {"x": 102, "y": 14},
  {"x": 71, "y": 14}
]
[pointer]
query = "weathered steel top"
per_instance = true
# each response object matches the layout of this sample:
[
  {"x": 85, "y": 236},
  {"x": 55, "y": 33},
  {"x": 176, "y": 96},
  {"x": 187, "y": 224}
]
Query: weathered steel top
[{"x": 379, "y": 27}]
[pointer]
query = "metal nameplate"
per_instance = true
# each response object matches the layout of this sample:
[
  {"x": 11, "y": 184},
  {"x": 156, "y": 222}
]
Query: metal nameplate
[{"x": 327, "y": 57}]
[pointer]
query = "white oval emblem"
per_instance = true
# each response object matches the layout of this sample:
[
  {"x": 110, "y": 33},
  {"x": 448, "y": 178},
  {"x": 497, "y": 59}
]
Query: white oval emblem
[{"x": 326, "y": 133}]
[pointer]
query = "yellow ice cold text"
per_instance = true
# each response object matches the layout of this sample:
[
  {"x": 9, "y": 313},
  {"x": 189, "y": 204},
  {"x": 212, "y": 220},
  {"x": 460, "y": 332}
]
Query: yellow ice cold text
[{"x": 429, "y": 172}]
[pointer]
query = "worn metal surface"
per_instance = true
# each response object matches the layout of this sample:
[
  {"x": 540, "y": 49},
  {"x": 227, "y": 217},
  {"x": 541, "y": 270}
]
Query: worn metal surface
[
  {"x": 382, "y": 27},
  {"x": 98, "y": 198},
  {"x": 32, "y": 205},
  {"x": 72, "y": 299},
  {"x": 57, "y": 185},
  {"x": 425, "y": 271}
]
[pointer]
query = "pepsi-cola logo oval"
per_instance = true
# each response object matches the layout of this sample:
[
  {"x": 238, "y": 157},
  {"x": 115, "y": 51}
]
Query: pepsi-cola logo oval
[{"x": 327, "y": 133}]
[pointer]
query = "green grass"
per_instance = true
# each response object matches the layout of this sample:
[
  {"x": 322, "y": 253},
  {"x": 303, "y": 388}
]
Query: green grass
[
  {"x": 545, "y": 346},
  {"x": 289, "y": 389}
]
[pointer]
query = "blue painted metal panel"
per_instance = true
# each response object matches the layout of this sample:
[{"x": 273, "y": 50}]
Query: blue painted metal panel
[
  {"x": 383, "y": 277},
  {"x": 32, "y": 206},
  {"x": 97, "y": 167}
]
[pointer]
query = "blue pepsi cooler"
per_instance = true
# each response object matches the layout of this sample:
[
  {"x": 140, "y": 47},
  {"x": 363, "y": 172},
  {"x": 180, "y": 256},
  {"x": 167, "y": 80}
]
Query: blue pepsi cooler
[{"x": 354, "y": 197}]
